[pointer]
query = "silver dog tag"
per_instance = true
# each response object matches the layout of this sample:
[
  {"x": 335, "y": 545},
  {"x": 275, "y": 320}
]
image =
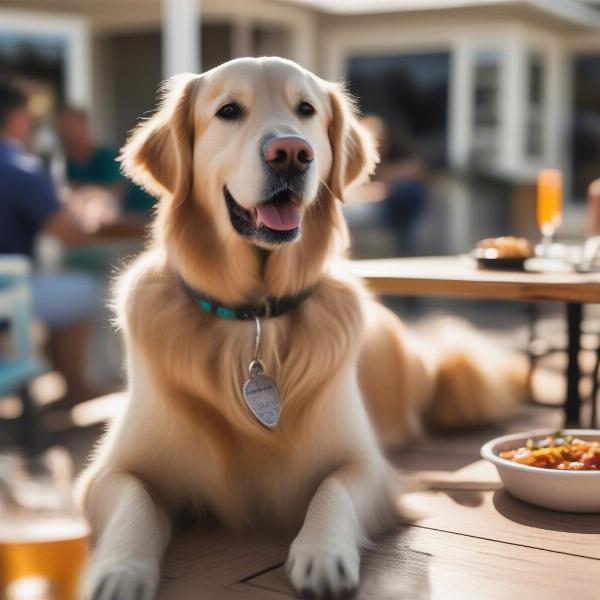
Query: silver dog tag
[{"x": 261, "y": 395}]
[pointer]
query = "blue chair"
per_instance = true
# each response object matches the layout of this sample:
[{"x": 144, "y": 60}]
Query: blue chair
[{"x": 19, "y": 364}]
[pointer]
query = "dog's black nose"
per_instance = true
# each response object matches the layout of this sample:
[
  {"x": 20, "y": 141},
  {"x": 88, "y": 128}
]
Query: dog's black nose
[{"x": 290, "y": 155}]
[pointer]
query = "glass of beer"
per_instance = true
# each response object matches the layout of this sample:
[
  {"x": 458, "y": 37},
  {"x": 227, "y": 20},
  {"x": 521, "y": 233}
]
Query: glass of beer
[
  {"x": 549, "y": 204},
  {"x": 43, "y": 537}
]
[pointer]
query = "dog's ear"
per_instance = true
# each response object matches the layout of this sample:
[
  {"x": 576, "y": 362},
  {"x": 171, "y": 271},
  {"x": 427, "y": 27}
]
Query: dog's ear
[
  {"x": 158, "y": 154},
  {"x": 353, "y": 146}
]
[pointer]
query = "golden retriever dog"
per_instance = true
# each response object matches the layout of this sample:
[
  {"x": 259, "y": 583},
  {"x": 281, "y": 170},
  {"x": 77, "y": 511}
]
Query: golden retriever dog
[{"x": 251, "y": 161}]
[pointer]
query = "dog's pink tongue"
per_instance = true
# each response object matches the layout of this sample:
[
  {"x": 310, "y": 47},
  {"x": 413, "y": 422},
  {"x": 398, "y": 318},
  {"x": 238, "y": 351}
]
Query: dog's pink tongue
[{"x": 282, "y": 216}]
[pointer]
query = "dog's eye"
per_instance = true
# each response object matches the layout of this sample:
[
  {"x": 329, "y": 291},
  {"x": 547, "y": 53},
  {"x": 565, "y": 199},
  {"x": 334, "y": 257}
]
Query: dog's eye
[
  {"x": 230, "y": 112},
  {"x": 305, "y": 109}
]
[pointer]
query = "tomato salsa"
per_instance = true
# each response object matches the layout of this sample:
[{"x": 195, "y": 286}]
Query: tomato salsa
[{"x": 557, "y": 451}]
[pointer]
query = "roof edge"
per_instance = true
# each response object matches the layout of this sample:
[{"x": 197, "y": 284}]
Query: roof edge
[{"x": 569, "y": 10}]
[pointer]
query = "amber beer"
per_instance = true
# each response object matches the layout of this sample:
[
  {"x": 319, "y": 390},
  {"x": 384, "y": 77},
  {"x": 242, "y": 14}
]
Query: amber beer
[
  {"x": 50, "y": 551},
  {"x": 549, "y": 201}
]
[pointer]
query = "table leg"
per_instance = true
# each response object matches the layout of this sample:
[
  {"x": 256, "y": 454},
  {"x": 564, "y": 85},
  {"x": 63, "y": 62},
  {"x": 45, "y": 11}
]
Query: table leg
[
  {"x": 594, "y": 395},
  {"x": 532, "y": 320},
  {"x": 572, "y": 405},
  {"x": 32, "y": 436}
]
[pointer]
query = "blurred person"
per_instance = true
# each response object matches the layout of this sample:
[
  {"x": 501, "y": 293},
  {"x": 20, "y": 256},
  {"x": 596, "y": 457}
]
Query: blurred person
[
  {"x": 93, "y": 169},
  {"x": 29, "y": 206},
  {"x": 592, "y": 219},
  {"x": 403, "y": 177}
]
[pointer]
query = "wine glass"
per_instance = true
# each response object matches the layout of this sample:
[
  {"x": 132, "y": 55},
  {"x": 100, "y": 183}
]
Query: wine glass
[{"x": 549, "y": 205}]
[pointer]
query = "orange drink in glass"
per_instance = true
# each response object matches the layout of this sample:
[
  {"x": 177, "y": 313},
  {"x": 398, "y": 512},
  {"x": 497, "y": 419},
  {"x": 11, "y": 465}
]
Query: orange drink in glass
[
  {"x": 43, "y": 536},
  {"x": 549, "y": 202},
  {"x": 45, "y": 553}
]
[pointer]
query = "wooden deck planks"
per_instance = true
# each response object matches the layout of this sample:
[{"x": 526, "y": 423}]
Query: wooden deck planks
[
  {"x": 434, "y": 565},
  {"x": 463, "y": 541},
  {"x": 497, "y": 516},
  {"x": 199, "y": 561},
  {"x": 470, "y": 541}
]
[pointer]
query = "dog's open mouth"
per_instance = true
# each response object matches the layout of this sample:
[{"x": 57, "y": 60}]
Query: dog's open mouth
[{"x": 273, "y": 221}]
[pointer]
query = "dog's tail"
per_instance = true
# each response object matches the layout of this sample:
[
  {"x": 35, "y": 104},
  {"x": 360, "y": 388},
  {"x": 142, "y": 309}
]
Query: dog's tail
[{"x": 475, "y": 381}]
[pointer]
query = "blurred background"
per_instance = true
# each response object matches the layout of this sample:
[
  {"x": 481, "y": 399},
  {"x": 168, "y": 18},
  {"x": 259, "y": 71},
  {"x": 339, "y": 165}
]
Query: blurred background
[{"x": 469, "y": 99}]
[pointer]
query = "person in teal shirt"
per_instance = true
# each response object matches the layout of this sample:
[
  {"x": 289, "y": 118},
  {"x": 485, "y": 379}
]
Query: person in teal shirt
[
  {"x": 89, "y": 164},
  {"x": 101, "y": 168}
]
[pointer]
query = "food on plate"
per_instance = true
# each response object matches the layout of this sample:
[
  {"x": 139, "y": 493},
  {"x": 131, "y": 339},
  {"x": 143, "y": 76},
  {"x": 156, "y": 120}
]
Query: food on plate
[
  {"x": 506, "y": 247},
  {"x": 557, "y": 451}
]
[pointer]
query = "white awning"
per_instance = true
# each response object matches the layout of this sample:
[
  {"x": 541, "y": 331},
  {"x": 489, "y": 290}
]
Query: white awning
[
  {"x": 580, "y": 12},
  {"x": 378, "y": 6}
]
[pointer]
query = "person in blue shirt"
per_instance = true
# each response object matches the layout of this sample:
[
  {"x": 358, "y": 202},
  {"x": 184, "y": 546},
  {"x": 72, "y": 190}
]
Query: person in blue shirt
[
  {"x": 29, "y": 206},
  {"x": 28, "y": 203}
]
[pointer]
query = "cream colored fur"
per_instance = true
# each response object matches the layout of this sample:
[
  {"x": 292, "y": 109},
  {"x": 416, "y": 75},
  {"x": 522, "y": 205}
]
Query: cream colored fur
[{"x": 349, "y": 375}]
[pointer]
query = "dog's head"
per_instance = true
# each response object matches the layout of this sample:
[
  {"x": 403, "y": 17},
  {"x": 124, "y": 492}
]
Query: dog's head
[{"x": 255, "y": 139}]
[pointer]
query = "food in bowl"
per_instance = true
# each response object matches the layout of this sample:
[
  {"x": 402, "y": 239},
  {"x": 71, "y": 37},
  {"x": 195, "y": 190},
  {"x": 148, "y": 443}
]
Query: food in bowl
[
  {"x": 505, "y": 247},
  {"x": 557, "y": 451},
  {"x": 559, "y": 489}
]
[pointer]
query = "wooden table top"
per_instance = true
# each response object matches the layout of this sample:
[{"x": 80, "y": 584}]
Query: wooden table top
[
  {"x": 468, "y": 540},
  {"x": 458, "y": 276}
]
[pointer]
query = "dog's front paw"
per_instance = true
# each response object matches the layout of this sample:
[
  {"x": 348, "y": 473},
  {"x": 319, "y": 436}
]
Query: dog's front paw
[
  {"x": 322, "y": 570},
  {"x": 121, "y": 580}
]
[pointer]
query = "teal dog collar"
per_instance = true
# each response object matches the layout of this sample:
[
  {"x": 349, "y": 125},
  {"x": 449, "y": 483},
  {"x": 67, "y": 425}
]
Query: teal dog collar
[{"x": 269, "y": 307}]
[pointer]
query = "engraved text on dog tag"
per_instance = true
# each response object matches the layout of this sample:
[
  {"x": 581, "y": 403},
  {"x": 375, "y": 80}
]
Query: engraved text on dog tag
[{"x": 262, "y": 396}]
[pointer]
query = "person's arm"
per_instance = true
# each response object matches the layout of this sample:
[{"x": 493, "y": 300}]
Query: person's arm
[
  {"x": 63, "y": 225},
  {"x": 42, "y": 209}
]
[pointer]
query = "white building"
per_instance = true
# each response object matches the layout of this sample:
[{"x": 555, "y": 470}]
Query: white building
[{"x": 504, "y": 87}]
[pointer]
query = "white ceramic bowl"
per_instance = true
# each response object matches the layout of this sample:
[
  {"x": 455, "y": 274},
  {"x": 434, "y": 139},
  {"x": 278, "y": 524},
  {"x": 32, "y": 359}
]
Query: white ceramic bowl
[{"x": 571, "y": 491}]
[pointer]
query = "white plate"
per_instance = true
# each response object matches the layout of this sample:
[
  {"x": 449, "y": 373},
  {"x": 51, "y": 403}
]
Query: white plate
[{"x": 570, "y": 491}]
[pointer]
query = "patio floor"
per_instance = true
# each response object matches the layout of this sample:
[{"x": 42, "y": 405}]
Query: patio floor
[{"x": 470, "y": 540}]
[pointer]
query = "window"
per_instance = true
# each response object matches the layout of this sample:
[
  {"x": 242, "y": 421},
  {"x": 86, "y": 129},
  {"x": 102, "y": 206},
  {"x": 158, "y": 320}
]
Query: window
[
  {"x": 37, "y": 62},
  {"x": 586, "y": 123},
  {"x": 410, "y": 94},
  {"x": 534, "y": 144},
  {"x": 486, "y": 106},
  {"x": 35, "y": 57}
]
